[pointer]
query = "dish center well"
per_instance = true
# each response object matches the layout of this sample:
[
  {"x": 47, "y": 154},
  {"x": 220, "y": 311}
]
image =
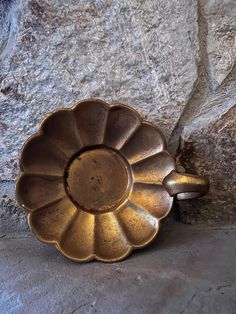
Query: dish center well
[{"x": 98, "y": 180}]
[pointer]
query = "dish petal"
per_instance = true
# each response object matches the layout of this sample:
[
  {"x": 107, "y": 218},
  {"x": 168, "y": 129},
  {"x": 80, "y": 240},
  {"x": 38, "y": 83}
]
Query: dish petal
[
  {"x": 146, "y": 141},
  {"x": 110, "y": 241},
  {"x": 153, "y": 169},
  {"x": 91, "y": 117},
  {"x": 77, "y": 241},
  {"x": 48, "y": 223},
  {"x": 61, "y": 128},
  {"x": 40, "y": 156},
  {"x": 35, "y": 191},
  {"x": 153, "y": 198},
  {"x": 139, "y": 226},
  {"x": 121, "y": 124}
]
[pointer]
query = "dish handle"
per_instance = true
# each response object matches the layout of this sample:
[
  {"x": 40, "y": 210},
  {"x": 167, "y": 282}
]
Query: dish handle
[{"x": 185, "y": 186}]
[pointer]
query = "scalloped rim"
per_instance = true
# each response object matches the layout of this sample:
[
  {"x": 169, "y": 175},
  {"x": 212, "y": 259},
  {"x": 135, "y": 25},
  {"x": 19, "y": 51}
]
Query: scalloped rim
[{"x": 55, "y": 243}]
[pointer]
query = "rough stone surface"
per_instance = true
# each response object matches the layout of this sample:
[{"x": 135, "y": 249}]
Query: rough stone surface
[
  {"x": 208, "y": 147},
  {"x": 174, "y": 61},
  {"x": 187, "y": 270},
  {"x": 140, "y": 53},
  {"x": 221, "y": 38},
  {"x": 5, "y": 24}
]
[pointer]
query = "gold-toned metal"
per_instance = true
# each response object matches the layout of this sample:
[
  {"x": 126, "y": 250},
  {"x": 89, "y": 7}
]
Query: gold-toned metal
[
  {"x": 97, "y": 179},
  {"x": 185, "y": 186}
]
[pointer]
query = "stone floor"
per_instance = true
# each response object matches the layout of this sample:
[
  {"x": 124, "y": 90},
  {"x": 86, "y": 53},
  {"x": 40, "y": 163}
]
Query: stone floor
[{"x": 187, "y": 270}]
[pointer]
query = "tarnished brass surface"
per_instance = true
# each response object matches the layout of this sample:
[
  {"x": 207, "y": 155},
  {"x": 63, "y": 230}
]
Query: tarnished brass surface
[{"x": 97, "y": 179}]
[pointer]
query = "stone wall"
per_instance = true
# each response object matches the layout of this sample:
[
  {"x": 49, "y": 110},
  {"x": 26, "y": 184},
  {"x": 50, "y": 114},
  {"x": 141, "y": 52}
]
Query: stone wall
[{"x": 174, "y": 61}]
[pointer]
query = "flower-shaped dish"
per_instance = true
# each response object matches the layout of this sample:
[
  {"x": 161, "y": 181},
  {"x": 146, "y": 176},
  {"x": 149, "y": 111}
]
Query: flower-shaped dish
[{"x": 96, "y": 181}]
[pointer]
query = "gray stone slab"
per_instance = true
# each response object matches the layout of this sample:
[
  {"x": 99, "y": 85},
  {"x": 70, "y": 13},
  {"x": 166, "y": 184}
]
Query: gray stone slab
[
  {"x": 141, "y": 53},
  {"x": 187, "y": 270},
  {"x": 208, "y": 147},
  {"x": 167, "y": 59},
  {"x": 221, "y": 22}
]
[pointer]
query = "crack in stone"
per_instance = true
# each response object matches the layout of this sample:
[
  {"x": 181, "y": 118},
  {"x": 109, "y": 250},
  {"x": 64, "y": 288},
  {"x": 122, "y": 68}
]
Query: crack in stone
[
  {"x": 8, "y": 27},
  {"x": 188, "y": 303},
  {"x": 224, "y": 286},
  {"x": 200, "y": 99},
  {"x": 219, "y": 288},
  {"x": 201, "y": 88},
  {"x": 79, "y": 307},
  {"x": 227, "y": 80}
]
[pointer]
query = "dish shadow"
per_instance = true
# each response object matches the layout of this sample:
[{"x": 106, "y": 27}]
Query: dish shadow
[{"x": 172, "y": 234}]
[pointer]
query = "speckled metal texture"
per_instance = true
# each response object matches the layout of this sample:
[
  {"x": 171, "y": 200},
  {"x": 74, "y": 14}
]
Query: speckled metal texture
[{"x": 97, "y": 179}]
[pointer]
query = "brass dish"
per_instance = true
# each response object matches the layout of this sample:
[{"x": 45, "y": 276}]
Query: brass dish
[{"x": 97, "y": 179}]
